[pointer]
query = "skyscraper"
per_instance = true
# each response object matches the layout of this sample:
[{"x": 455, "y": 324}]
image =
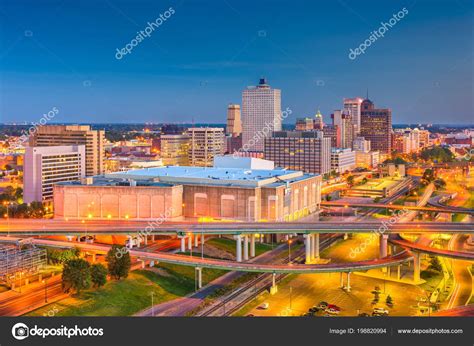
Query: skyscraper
[
  {"x": 205, "y": 144},
  {"x": 261, "y": 115},
  {"x": 175, "y": 149},
  {"x": 353, "y": 107},
  {"x": 346, "y": 128},
  {"x": 234, "y": 123},
  {"x": 54, "y": 135},
  {"x": 376, "y": 126}
]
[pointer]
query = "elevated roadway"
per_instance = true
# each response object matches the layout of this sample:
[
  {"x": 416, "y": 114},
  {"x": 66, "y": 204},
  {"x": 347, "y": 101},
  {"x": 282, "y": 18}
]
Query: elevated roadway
[
  {"x": 199, "y": 262},
  {"x": 54, "y": 227}
]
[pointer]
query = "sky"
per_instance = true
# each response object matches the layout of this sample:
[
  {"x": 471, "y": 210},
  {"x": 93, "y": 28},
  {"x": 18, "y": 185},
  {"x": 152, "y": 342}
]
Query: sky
[{"x": 63, "y": 54}]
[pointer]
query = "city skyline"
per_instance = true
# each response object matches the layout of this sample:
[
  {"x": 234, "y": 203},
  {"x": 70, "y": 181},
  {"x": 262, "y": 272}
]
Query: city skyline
[{"x": 304, "y": 53}]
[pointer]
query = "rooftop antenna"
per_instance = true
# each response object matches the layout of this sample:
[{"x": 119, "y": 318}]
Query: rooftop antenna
[{"x": 367, "y": 94}]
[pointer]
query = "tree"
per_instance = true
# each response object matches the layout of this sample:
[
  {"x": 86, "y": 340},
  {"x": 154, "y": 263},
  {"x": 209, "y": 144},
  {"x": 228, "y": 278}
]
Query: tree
[
  {"x": 76, "y": 275},
  {"x": 118, "y": 262},
  {"x": 98, "y": 274},
  {"x": 435, "y": 264},
  {"x": 350, "y": 180}
]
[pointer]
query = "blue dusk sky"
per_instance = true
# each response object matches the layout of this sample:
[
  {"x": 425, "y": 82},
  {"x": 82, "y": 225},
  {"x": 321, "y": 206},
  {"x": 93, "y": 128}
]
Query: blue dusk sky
[{"x": 63, "y": 54}]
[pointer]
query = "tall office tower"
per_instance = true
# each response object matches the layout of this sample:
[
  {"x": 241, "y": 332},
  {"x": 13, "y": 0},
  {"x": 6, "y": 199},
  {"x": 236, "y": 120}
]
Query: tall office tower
[
  {"x": 261, "y": 115},
  {"x": 353, "y": 106},
  {"x": 346, "y": 128},
  {"x": 361, "y": 144},
  {"x": 175, "y": 149},
  {"x": 45, "y": 166},
  {"x": 318, "y": 121},
  {"x": 234, "y": 123},
  {"x": 59, "y": 135},
  {"x": 333, "y": 133},
  {"x": 308, "y": 151},
  {"x": 205, "y": 144},
  {"x": 376, "y": 126}
]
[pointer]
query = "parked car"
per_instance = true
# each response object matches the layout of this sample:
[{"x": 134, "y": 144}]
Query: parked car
[
  {"x": 363, "y": 314},
  {"x": 263, "y": 306},
  {"x": 332, "y": 311},
  {"x": 322, "y": 305},
  {"x": 379, "y": 312}
]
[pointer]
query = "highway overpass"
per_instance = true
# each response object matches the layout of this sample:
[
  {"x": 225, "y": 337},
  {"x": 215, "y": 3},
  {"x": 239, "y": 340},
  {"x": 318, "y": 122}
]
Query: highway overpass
[{"x": 55, "y": 227}]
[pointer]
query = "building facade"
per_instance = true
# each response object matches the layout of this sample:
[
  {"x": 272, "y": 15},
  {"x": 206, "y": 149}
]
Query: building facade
[
  {"x": 59, "y": 135},
  {"x": 246, "y": 191},
  {"x": 46, "y": 166},
  {"x": 234, "y": 122},
  {"x": 261, "y": 115},
  {"x": 346, "y": 127},
  {"x": 307, "y": 151},
  {"x": 175, "y": 149},
  {"x": 376, "y": 126},
  {"x": 342, "y": 160},
  {"x": 204, "y": 144},
  {"x": 353, "y": 107}
]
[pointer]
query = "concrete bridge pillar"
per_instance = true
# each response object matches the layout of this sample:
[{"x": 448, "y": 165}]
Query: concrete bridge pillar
[
  {"x": 190, "y": 242},
  {"x": 199, "y": 277},
  {"x": 203, "y": 238},
  {"x": 238, "y": 252},
  {"x": 252, "y": 245},
  {"x": 274, "y": 288},
  {"x": 315, "y": 246},
  {"x": 416, "y": 266},
  {"x": 341, "y": 285},
  {"x": 145, "y": 240},
  {"x": 383, "y": 244},
  {"x": 196, "y": 240},
  {"x": 183, "y": 244},
  {"x": 348, "y": 287},
  {"x": 246, "y": 247},
  {"x": 398, "y": 271},
  {"x": 307, "y": 243}
]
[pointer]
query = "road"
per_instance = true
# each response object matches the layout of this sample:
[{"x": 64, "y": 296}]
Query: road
[
  {"x": 32, "y": 297},
  {"x": 231, "y": 265},
  {"x": 463, "y": 281},
  {"x": 439, "y": 208},
  {"x": 55, "y": 227},
  {"x": 181, "y": 306}
]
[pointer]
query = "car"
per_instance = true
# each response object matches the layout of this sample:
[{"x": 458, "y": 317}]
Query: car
[
  {"x": 263, "y": 306},
  {"x": 322, "y": 305},
  {"x": 250, "y": 315},
  {"x": 332, "y": 311},
  {"x": 313, "y": 309},
  {"x": 334, "y": 307},
  {"x": 379, "y": 312},
  {"x": 363, "y": 314}
]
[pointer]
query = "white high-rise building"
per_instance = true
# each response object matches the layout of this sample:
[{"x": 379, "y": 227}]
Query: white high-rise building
[
  {"x": 45, "y": 166},
  {"x": 261, "y": 115},
  {"x": 361, "y": 144},
  {"x": 353, "y": 106}
]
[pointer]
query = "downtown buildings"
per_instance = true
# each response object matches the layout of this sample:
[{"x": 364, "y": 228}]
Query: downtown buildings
[
  {"x": 93, "y": 140},
  {"x": 376, "y": 126},
  {"x": 261, "y": 115},
  {"x": 234, "y": 188},
  {"x": 308, "y": 151},
  {"x": 205, "y": 144},
  {"x": 46, "y": 166}
]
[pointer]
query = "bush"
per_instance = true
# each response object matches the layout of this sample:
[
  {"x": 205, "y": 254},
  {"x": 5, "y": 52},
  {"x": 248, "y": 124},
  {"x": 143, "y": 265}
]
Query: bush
[{"x": 98, "y": 274}]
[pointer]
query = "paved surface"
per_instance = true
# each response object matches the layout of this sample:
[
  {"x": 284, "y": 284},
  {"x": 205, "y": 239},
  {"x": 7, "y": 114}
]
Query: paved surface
[
  {"x": 55, "y": 227},
  {"x": 439, "y": 208}
]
